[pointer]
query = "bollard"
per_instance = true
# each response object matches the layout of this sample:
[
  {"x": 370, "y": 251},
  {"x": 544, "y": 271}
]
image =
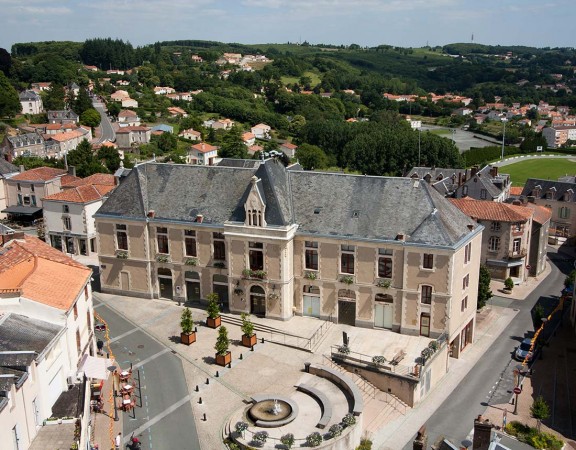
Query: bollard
[
  {"x": 195, "y": 329},
  {"x": 204, "y": 417},
  {"x": 229, "y": 365},
  {"x": 252, "y": 348},
  {"x": 217, "y": 374},
  {"x": 262, "y": 340},
  {"x": 200, "y": 400},
  {"x": 241, "y": 356},
  {"x": 197, "y": 388},
  {"x": 207, "y": 380}
]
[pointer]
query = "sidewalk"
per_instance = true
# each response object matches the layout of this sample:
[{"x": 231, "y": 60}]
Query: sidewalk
[
  {"x": 104, "y": 427},
  {"x": 522, "y": 290}
]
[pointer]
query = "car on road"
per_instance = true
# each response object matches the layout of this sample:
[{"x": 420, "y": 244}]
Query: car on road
[{"x": 523, "y": 352}]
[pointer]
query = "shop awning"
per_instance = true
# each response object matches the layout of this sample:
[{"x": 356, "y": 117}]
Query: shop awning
[
  {"x": 94, "y": 367},
  {"x": 22, "y": 210}
]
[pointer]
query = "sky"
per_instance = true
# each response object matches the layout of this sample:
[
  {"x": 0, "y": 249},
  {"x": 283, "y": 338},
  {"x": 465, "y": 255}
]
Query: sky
[{"x": 404, "y": 23}]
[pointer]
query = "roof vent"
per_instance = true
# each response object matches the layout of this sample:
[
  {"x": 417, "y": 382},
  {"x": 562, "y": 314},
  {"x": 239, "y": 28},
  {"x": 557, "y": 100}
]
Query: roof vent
[
  {"x": 416, "y": 183},
  {"x": 400, "y": 237},
  {"x": 355, "y": 214},
  {"x": 199, "y": 218},
  {"x": 470, "y": 227},
  {"x": 317, "y": 210},
  {"x": 151, "y": 214}
]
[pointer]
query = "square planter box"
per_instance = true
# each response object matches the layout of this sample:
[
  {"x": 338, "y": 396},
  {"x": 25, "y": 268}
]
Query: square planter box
[
  {"x": 224, "y": 360},
  {"x": 213, "y": 323},
  {"x": 188, "y": 338},
  {"x": 249, "y": 341}
]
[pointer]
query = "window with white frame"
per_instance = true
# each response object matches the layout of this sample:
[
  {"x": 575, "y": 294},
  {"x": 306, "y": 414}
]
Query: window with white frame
[
  {"x": 467, "y": 253},
  {"x": 311, "y": 255},
  {"x": 426, "y": 295},
  {"x": 162, "y": 240},
  {"x": 121, "y": 237},
  {"x": 564, "y": 212},
  {"x": 516, "y": 245},
  {"x": 494, "y": 243},
  {"x": 464, "y": 304},
  {"x": 190, "y": 242},
  {"x": 256, "y": 255},
  {"x": 347, "y": 259},
  {"x": 384, "y": 263},
  {"x": 466, "y": 281},
  {"x": 67, "y": 223}
]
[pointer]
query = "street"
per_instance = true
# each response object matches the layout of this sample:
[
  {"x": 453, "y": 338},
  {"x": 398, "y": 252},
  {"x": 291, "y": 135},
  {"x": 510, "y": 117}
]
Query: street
[
  {"x": 108, "y": 133},
  {"x": 165, "y": 420},
  {"x": 491, "y": 381}
]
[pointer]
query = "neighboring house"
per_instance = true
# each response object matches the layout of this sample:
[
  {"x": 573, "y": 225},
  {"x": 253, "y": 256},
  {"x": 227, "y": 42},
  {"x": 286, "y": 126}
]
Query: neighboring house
[
  {"x": 6, "y": 171},
  {"x": 65, "y": 116},
  {"x": 202, "y": 154},
  {"x": 275, "y": 242},
  {"x": 289, "y": 149},
  {"x": 31, "y": 102},
  {"x": 74, "y": 89},
  {"x": 484, "y": 184},
  {"x": 261, "y": 131},
  {"x": 68, "y": 141},
  {"x": 129, "y": 103},
  {"x": 69, "y": 216},
  {"x": 558, "y": 136},
  {"x": 25, "y": 191},
  {"x": 255, "y": 148},
  {"x": 175, "y": 111},
  {"x": 126, "y": 137},
  {"x": 28, "y": 144},
  {"x": 46, "y": 329},
  {"x": 191, "y": 135},
  {"x": 507, "y": 237},
  {"x": 249, "y": 139},
  {"x": 222, "y": 124},
  {"x": 119, "y": 95},
  {"x": 163, "y": 128},
  {"x": 559, "y": 197},
  {"x": 128, "y": 118},
  {"x": 42, "y": 86},
  {"x": 414, "y": 124},
  {"x": 539, "y": 238}
]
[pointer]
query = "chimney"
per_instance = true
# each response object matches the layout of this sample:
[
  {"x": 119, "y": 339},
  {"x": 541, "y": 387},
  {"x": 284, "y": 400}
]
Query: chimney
[
  {"x": 494, "y": 171},
  {"x": 482, "y": 434},
  {"x": 151, "y": 214},
  {"x": 531, "y": 199},
  {"x": 420, "y": 443},
  {"x": 517, "y": 203},
  {"x": 72, "y": 171},
  {"x": 459, "y": 179},
  {"x": 199, "y": 218},
  {"x": 473, "y": 171},
  {"x": 400, "y": 237},
  {"x": 470, "y": 227}
]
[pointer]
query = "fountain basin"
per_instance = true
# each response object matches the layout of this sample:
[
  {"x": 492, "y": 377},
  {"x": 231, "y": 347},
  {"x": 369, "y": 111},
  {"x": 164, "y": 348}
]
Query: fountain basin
[{"x": 263, "y": 414}]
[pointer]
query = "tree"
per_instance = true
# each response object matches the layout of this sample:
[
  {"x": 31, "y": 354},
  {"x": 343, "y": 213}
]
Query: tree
[
  {"x": 484, "y": 292},
  {"x": 109, "y": 156},
  {"x": 53, "y": 98},
  {"x": 232, "y": 145},
  {"x": 9, "y": 100},
  {"x": 84, "y": 160},
  {"x": 90, "y": 118},
  {"x": 5, "y": 61},
  {"x": 539, "y": 410},
  {"x": 114, "y": 109},
  {"x": 222, "y": 342},
  {"x": 82, "y": 102},
  {"x": 167, "y": 142},
  {"x": 311, "y": 157}
]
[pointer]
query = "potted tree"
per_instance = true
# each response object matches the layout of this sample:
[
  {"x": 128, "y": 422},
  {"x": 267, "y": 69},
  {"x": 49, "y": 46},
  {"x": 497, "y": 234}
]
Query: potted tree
[
  {"x": 214, "y": 320},
  {"x": 188, "y": 335},
  {"x": 247, "y": 327},
  {"x": 223, "y": 355},
  {"x": 508, "y": 285}
]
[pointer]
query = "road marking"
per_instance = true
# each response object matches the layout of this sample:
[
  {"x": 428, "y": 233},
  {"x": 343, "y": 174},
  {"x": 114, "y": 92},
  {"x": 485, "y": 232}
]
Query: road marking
[
  {"x": 158, "y": 417},
  {"x": 124, "y": 334},
  {"x": 151, "y": 358},
  {"x": 98, "y": 305}
]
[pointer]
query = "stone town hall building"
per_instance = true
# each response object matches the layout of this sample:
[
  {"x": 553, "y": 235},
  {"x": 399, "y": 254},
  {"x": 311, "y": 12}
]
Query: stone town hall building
[{"x": 367, "y": 251}]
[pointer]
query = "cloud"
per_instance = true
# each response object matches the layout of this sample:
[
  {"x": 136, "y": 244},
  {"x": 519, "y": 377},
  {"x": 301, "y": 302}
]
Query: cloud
[
  {"x": 44, "y": 10},
  {"x": 328, "y": 7}
]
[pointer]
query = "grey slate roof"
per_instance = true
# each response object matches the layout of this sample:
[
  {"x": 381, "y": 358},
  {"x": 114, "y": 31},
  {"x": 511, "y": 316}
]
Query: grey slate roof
[
  {"x": 63, "y": 114},
  {"x": 24, "y": 140},
  {"x": 6, "y": 167},
  {"x": 28, "y": 96},
  {"x": 545, "y": 185},
  {"x": 245, "y": 163},
  {"x": 320, "y": 203},
  {"x": 21, "y": 333}
]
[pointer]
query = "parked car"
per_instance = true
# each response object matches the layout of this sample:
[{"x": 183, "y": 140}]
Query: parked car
[{"x": 523, "y": 350}]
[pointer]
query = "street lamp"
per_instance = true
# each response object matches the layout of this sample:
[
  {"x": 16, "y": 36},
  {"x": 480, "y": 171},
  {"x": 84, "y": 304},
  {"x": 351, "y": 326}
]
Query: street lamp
[{"x": 503, "y": 135}]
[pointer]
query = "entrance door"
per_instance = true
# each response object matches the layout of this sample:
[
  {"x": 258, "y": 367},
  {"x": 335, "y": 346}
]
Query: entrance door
[
  {"x": 257, "y": 301},
  {"x": 165, "y": 283},
  {"x": 220, "y": 287},
  {"x": 346, "y": 312},
  {"x": 383, "y": 316},
  {"x": 311, "y": 306},
  {"x": 82, "y": 245},
  {"x": 192, "y": 291},
  {"x": 425, "y": 324}
]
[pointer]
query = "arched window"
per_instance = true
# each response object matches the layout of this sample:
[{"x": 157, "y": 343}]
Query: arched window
[{"x": 257, "y": 290}]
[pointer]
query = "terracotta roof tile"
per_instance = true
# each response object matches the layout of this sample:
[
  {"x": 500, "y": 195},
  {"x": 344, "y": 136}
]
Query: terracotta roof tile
[
  {"x": 516, "y": 190},
  {"x": 541, "y": 213},
  {"x": 67, "y": 180},
  {"x": 39, "y": 174},
  {"x": 105, "y": 179},
  {"x": 203, "y": 147},
  {"x": 81, "y": 194},
  {"x": 498, "y": 212},
  {"x": 41, "y": 273}
]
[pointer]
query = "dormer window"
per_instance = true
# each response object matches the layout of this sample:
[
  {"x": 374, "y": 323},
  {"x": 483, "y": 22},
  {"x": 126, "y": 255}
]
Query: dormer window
[
  {"x": 255, "y": 206},
  {"x": 536, "y": 191},
  {"x": 568, "y": 195},
  {"x": 551, "y": 193}
]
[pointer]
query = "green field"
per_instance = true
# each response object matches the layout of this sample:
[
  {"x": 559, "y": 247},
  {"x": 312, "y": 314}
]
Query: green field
[
  {"x": 314, "y": 79},
  {"x": 545, "y": 168}
]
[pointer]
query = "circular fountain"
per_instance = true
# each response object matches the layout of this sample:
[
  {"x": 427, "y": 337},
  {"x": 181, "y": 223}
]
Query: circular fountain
[{"x": 273, "y": 412}]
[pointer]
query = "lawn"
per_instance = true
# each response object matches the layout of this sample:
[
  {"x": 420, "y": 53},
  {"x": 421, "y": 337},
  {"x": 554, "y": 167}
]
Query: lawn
[
  {"x": 314, "y": 78},
  {"x": 546, "y": 168}
]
